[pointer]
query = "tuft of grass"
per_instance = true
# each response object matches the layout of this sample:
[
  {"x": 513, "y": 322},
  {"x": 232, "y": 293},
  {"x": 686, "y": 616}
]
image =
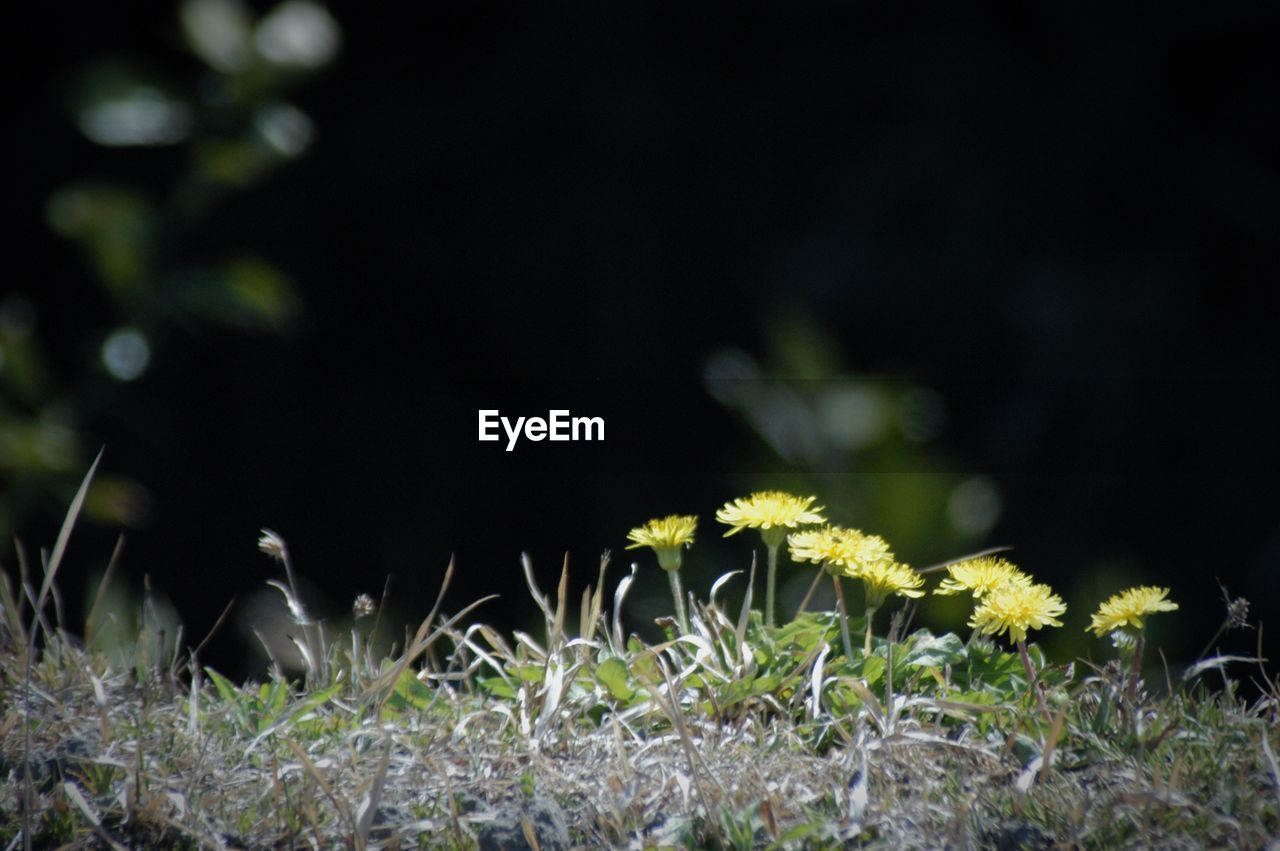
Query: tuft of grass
[{"x": 728, "y": 734}]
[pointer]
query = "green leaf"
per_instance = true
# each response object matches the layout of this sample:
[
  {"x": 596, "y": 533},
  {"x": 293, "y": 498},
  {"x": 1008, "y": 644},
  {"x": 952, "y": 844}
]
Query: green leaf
[
  {"x": 498, "y": 687},
  {"x": 736, "y": 691},
  {"x": 613, "y": 675},
  {"x": 873, "y": 668},
  {"x": 224, "y": 687},
  {"x": 409, "y": 691},
  {"x": 530, "y": 673},
  {"x": 930, "y": 651},
  {"x": 765, "y": 684}
]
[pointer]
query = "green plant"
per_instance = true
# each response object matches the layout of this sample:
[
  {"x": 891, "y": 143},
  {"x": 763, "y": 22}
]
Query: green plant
[{"x": 730, "y": 733}]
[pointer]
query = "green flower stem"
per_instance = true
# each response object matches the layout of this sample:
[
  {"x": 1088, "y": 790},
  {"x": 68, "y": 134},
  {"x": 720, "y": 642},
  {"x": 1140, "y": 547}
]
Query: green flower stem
[
  {"x": 677, "y": 594},
  {"x": 771, "y": 586},
  {"x": 1033, "y": 680},
  {"x": 844, "y": 619},
  {"x": 773, "y": 539},
  {"x": 871, "y": 613}
]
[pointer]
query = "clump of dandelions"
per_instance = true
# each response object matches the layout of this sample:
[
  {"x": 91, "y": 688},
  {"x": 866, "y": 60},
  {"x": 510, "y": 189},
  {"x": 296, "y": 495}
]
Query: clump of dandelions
[
  {"x": 868, "y": 558},
  {"x": 667, "y": 537},
  {"x": 1016, "y": 607},
  {"x": 773, "y": 513},
  {"x": 1124, "y": 616},
  {"x": 853, "y": 554},
  {"x": 829, "y": 548}
]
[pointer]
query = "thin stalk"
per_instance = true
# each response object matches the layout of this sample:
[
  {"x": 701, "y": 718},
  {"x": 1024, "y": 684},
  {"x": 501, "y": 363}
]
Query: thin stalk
[
  {"x": 771, "y": 586},
  {"x": 813, "y": 586},
  {"x": 844, "y": 619},
  {"x": 677, "y": 593},
  {"x": 871, "y": 613},
  {"x": 1033, "y": 681}
]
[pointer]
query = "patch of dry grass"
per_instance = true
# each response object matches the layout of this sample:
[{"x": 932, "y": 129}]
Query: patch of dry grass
[{"x": 732, "y": 735}]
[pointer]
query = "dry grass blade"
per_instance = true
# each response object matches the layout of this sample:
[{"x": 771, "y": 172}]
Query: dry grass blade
[
  {"x": 339, "y": 804},
  {"x": 617, "y": 645},
  {"x": 417, "y": 647},
  {"x": 64, "y": 534},
  {"x": 1271, "y": 764},
  {"x": 369, "y": 807},
  {"x": 77, "y": 799},
  {"x": 91, "y": 621},
  {"x": 12, "y": 611},
  {"x": 597, "y": 599},
  {"x": 556, "y": 630},
  {"x": 744, "y": 616},
  {"x": 1056, "y": 730},
  {"x": 544, "y": 606},
  {"x": 943, "y": 565}
]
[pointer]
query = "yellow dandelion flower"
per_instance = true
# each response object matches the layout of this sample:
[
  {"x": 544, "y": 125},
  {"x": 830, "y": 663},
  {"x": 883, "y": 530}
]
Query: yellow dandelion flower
[
  {"x": 1016, "y": 607},
  {"x": 1128, "y": 608},
  {"x": 773, "y": 513},
  {"x": 883, "y": 577},
  {"x": 826, "y": 546},
  {"x": 666, "y": 536},
  {"x": 980, "y": 575},
  {"x": 769, "y": 511},
  {"x": 863, "y": 552}
]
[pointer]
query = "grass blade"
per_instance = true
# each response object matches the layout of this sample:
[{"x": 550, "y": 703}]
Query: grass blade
[{"x": 64, "y": 534}]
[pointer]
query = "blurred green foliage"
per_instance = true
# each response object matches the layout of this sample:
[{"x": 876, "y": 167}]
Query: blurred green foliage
[
  {"x": 233, "y": 126},
  {"x": 868, "y": 446}
]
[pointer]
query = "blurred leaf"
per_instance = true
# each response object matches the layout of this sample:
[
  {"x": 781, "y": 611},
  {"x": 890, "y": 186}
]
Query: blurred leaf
[
  {"x": 409, "y": 693},
  {"x": 117, "y": 501},
  {"x": 218, "y": 31},
  {"x": 118, "y": 106},
  {"x": 284, "y": 127},
  {"x": 298, "y": 34},
  {"x": 113, "y": 225},
  {"x": 497, "y": 686},
  {"x": 612, "y": 673},
  {"x": 247, "y": 293},
  {"x": 37, "y": 445},
  {"x": 233, "y": 162}
]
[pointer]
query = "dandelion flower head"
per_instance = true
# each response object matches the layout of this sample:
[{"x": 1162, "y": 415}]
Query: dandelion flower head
[
  {"x": 863, "y": 552},
  {"x": 884, "y": 577},
  {"x": 1128, "y": 608},
  {"x": 980, "y": 575},
  {"x": 666, "y": 536},
  {"x": 772, "y": 512},
  {"x": 826, "y": 546},
  {"x": 1016, "y": 607}
]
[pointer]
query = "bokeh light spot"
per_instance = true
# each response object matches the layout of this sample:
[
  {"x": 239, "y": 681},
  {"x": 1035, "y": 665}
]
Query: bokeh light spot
[
  {"x": 286, "y": 128},
  {"x": 142, "y": 115},
  {"x": 126, "y": 354},
  {"x": 974, "y": 506},
  {"x": 299, "y": 34},
  {"x": 853, "y": 417}
]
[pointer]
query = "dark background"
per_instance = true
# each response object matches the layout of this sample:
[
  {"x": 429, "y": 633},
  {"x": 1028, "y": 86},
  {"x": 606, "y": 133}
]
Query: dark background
[{"x": 1062, "y": 223}]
